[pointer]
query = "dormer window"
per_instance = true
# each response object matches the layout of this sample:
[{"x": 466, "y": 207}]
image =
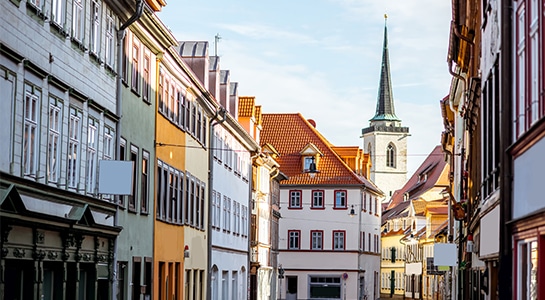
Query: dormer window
[
  {"x": 310, "y": 161},
  {"x": 310, "y": 156}
]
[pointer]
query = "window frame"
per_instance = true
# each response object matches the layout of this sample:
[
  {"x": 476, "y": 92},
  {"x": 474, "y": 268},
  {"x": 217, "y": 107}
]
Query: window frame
[
  {"x": 321, "y": 240},
  {"x": 335, "y": 199},
  {"x": 54, "y": 136},
  {"x": 93, "y": 126},
  {"x": 74, "y": 147},
  {"x": 95, "y": 32},
  {"x": 292, "y": 200},
  {"x": 391, "y": 156},
  {"x": 144, "y": 182},
  {"x": 313, "y": 203},
  {"x": 294, "y": 242},
  {"x": 78, "y": 20},
  {"x": 335, "y": 240}
]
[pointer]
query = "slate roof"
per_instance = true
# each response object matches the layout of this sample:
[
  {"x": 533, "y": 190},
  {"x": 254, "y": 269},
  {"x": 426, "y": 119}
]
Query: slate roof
[
  {"x": 193, "y": 49},
  {"x": 385, "y": 100},
  {"x": 291, "y": 133},
  {"x": 432, "y": 168}
]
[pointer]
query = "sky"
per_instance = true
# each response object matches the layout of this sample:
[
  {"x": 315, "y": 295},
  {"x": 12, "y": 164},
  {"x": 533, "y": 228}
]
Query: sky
[{"x": 322, "y": 58}]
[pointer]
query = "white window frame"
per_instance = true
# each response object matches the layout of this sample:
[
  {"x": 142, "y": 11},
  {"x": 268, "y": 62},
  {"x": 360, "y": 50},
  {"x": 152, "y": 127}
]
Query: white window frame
[
  {"x": 95, "y": 27},
  {"x": 57, "y": 12},
  {"x": 78, "y": 18},
  {"x": 74, "y": 142},
  {"x": 92, "y": 146},
  {"x": 135, "y": 67},
  {"x": 31, "y": 133},
  {"x": 146, "y": 77},
  {"x": 295, "y": 198},
  {"x": 144, "y": 182},
  {"x": 110, "y": 40},
  {"x": 54, "y": 141}
]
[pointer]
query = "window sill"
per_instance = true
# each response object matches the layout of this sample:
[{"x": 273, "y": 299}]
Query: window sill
[{"x": 58, "y": 30}]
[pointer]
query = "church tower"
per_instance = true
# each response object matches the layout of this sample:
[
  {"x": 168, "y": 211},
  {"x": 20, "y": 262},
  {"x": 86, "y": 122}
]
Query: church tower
[{"x": 385, "y": 139}]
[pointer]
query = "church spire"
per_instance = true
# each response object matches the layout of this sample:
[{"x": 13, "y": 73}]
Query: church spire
[{"x": 385, "y": 101}]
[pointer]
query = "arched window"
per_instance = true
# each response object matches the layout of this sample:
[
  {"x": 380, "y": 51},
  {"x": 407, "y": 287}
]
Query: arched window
[{"x": 390, "y": 156}]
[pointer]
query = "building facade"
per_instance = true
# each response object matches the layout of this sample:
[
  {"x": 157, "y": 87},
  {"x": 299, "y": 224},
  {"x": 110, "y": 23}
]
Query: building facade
[
  {"x": 323, "y": 203},
  {"x": 58, "y": 231}
]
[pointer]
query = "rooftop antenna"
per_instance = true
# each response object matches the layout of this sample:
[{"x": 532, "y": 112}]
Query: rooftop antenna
[{"x": 217, "y": 38}]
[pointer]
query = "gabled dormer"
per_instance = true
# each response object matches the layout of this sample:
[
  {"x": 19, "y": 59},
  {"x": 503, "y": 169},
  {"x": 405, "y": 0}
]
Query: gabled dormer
[
  {"x": 270, "y": 150},
  {"x": 310, "y": 158}
]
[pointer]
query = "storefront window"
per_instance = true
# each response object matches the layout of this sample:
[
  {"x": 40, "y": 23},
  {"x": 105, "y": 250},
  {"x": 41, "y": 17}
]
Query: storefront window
[{"x": 527, "y": 270}]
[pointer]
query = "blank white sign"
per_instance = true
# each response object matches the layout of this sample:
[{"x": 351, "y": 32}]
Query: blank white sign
[{"x": 115, "y": 177}]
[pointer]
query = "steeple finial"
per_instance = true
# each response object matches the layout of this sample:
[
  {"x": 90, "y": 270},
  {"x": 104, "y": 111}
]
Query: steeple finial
[{"x": 385, "y": 100}]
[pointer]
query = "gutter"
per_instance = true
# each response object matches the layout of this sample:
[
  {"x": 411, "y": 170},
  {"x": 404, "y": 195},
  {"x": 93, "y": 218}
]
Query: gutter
[{"x": 119, "y": 107}]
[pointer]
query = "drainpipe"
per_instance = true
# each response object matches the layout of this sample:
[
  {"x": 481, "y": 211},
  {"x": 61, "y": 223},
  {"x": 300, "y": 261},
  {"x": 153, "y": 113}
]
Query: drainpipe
[
  {"x": 119, "y": 112},
  {"x": 505, "y": 272},
  {"x": 211, "y": 135}
]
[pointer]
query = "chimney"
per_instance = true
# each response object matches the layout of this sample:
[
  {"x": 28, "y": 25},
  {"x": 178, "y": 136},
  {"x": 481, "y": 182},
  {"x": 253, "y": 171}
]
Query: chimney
[
  {"x": 225, "y": 82},
  {"x": 233, "y": 99},
  {"x": 214, "y": 77},
  {"x": 195, "y": 55}
]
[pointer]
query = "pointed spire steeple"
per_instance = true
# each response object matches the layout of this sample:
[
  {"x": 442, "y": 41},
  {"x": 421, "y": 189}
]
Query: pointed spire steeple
[{"x": 385, "y": 101}]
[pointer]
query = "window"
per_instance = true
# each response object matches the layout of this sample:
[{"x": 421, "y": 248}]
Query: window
[
  {"x": 95, "y": 27},
  {"x": 295, "y": 199},
  {"x": 31, "y": 133},
  {"x": 527, "y": 270},
  {"x": 340, "y": 199},
  {"x": 294, "y": 240},
  {"x": 78, "y": 18},
  {"x": 390, "y": 156},
  {"x": 338, "y": 240},
  {"x": 133, "y": 195},
  {"x": 122, "y": 147},
  {"x": 144, "y": 184},
  {"x": 146, "y": 92},
  {"x": 307, "y": 163},
  {"x": 54, "y": 139},
  {"x": 160, "y": 92},
  {"x": 226, "y": 211},
  {"x": 317, "y": 199},
  {"x": 244, "y": 221},
  {"x": 316, "y": 242},
  {"x": 172, "y": 196},
  {"x": 325, "y": 287},
  {"x": 181, "y": 109},
  {"x": 108, "y": 141},
  {"x": 362, "y": 241},
  {"x": 74, "y": 133},
  {"x": 57, "y": 11},
  {"x": 135, "y": 75},
  {"x": 528, "y": 105},
  {"x": 234, "y": 285},
  {"x": 110, "y": 41},
  {"x": 187, "y": 199},
  {"x": 92, "y": 144}
]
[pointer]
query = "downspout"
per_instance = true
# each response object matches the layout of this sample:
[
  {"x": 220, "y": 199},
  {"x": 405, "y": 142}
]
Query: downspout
[
  {"x": 210, "y": 191},
  {"x": 119, "y": 111},
  {"x": 505, "y": 272}
]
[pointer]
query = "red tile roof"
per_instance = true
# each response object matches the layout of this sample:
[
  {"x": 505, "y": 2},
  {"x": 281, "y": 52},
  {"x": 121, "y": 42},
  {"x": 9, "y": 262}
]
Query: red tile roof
[
  {"x": 289, "y": 134},
  {"x": 246, "y": 106},
  {"x": 431, "y": 169}
]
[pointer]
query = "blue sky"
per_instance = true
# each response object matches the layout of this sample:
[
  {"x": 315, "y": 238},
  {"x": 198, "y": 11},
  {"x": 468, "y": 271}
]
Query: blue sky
[{"x": 322, "y": 58}]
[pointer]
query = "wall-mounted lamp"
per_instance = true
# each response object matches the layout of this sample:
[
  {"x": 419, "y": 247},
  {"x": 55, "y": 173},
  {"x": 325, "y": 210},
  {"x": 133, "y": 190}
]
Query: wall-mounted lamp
[
  {"x": 186, "y": 251},
  {"x": 312, "y": 168},
  {"x": 352, "y": 212}
]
